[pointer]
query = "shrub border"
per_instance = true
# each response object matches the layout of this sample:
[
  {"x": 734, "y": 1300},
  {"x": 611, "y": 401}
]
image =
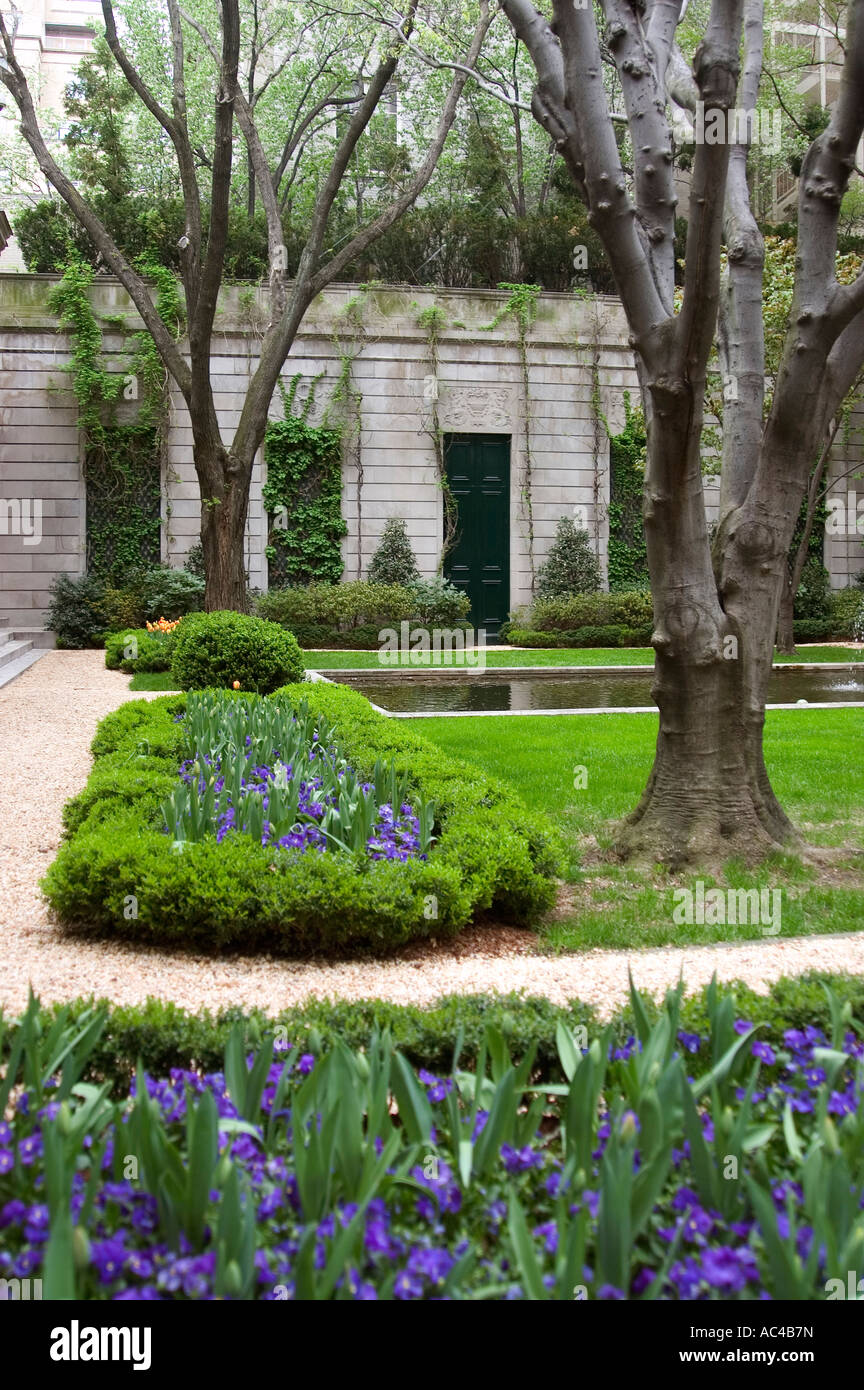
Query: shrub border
[{"x": 161, "y": 1034}]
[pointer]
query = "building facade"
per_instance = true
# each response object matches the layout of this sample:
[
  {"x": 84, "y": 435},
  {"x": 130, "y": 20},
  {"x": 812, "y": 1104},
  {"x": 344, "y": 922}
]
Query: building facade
[{"x": 517, "y": 418}]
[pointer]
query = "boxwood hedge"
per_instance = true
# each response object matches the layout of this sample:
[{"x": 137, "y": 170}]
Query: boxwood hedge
[
  {"x": 117, "y": 873},
  {"x": 232, "y": 649},
  {"x": 160, "y": 1034}
]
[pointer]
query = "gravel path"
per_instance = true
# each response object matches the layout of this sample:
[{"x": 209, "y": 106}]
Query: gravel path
[{"x": 48, "y": 717}]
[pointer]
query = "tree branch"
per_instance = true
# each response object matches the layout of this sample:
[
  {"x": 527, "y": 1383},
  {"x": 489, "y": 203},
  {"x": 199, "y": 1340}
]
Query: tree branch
[{"x": 742, "y": 325}]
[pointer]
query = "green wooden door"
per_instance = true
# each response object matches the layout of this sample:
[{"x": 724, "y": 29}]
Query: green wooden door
[{"x": 478, "y": 473}]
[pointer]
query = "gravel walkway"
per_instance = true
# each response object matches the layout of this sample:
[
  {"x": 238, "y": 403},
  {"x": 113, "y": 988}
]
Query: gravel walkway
[{"x": 48, "y": 717}]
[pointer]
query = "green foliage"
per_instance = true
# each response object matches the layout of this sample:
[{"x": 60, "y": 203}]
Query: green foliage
[
  {"x": 630, "y": 610},
  {"x": 362, "y": 1123},
  {"x": 163, "y": 1035},
  {"x": 586, "y": 620},
  {"x": 151, "y": 594},
  {"x": 123, "y": 500},
  {"x": 75, "y": 612},
  {"x": 217, "y": 649},
  {"x": 83, "y": 607},
  {"x": 846, "y": 607},
  {"x": 122, "y": 461},
  {"x": 813, "y": 629},
  {"x": 354, "y": 614},
  {"x": 490, "y": 854},
  {"x": 194, "y": 562},
  {"x": 628, "y": 559},
  {"x": 95, "y": 101},
  {"x": 144, "y": 228},
  {"x": 813, "y": 599},
  {"x": 394, "y": 561},
  {"x": 571, "y": 566},
  {"x": 303, "y": 494},
  {"x": 591, "y": 636},
  {"x": 134, "y": 650},
  {"x": 521, "y": 305},
  {"x": 235, "y": 735},
  {"x": 438, "y": 603}
]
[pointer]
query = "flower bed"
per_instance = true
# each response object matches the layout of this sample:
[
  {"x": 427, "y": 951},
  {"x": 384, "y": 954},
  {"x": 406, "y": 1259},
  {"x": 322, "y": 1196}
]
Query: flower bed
[
  {"x": 258, "y": 768},
  {"x": 339, "y": 1174},
  {"x": 117, "y": 872}
]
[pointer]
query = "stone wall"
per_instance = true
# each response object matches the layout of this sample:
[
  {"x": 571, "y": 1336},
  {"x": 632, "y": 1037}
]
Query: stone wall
[{"x": 577, "y": 361}]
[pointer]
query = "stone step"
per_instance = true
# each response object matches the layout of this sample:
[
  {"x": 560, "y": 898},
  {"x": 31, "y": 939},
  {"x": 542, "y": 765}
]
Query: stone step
[
  {"x": 37, "y": 635},
  {"x": 10, "y": 651},
  {"x": 21, "y": 663}
]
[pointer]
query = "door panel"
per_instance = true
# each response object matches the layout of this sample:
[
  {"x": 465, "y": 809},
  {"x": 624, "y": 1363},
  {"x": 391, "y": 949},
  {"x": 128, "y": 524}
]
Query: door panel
[{"x": 478, "y": 473}]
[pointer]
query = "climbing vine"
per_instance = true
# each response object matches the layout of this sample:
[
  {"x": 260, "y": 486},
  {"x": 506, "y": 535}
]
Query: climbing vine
[
  {"x": 303, "y": 495},
  {"x": 601, "y": 431},
  {"x": 433, "y": 321},
  {"x": 628, "y": 557},
  {"x": 522, "y": 306},
  {"x": 349, "y": 338},
  {"x": 122, "y": 462}
]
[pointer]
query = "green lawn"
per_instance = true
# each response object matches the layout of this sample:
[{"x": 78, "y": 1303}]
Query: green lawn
[
  {"x": 153, "y": 680},
  {"x": 584, "y": 656},
  {"x": 557, "y": 656},
  {"x": 816, "y": 766}
]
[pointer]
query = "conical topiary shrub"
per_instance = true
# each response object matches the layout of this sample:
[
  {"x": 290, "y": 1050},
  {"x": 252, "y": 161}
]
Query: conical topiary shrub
[
  {"x": 571, "y": 565},
  {"x": 393, "y": 561}
]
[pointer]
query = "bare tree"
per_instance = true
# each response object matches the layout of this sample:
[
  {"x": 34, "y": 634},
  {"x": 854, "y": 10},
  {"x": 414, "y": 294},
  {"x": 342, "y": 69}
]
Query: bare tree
[
  {"x": 224, "y": 468},
  {"x": 715, "y": 608}
]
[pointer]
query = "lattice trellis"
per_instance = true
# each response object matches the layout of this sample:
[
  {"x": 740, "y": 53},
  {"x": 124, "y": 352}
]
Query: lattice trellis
[{"x": 124, "y": 500}]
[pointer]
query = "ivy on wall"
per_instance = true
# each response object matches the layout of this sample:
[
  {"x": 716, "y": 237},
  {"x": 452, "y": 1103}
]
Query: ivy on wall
[
  {"x": 122, "y": 461},
  {"x": 349, "y": 339},
  {"x": 522, "y": 305},
  {"x": 303, "y": 496},
  {"x": 628, "y": 558},
  {"x": 433, "y": 322}
]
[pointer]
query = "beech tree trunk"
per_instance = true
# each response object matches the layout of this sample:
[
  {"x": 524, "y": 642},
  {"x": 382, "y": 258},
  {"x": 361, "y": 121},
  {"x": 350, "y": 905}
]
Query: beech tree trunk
[
  {"x": 716, "y": 606},
  {"x": 708, "y": 798},
  {"x": 223, "y": 480}
]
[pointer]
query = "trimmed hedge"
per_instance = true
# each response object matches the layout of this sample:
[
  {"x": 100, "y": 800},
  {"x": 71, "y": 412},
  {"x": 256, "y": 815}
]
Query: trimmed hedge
[
  {"x": 632, "y": 610},
  {"x": 117, "y": 872},
  {"x": 626, "y": 620},
  {"x": 154, "y": 651},
  {"x": 352, "y": 615},
  {"x": 583, "y": 637},
  {"x": 163, "y": 1035},
  {"x": 846, "y": 605},
  {"x": 813, "y": 629},
  {"x": 219, "y": 650}
]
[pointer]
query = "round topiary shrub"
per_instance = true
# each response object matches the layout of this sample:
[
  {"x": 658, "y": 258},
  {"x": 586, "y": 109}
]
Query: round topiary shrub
[{"x": 234, "y": 651}]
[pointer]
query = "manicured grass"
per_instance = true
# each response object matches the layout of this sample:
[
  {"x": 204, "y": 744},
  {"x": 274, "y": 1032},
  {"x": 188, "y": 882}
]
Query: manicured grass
[
  {"x": 556, "y": 656},
  {"x": 153, "y": 680},
  {"x": 584, "y": 656},
  {"x": 814, "y": 758}
]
